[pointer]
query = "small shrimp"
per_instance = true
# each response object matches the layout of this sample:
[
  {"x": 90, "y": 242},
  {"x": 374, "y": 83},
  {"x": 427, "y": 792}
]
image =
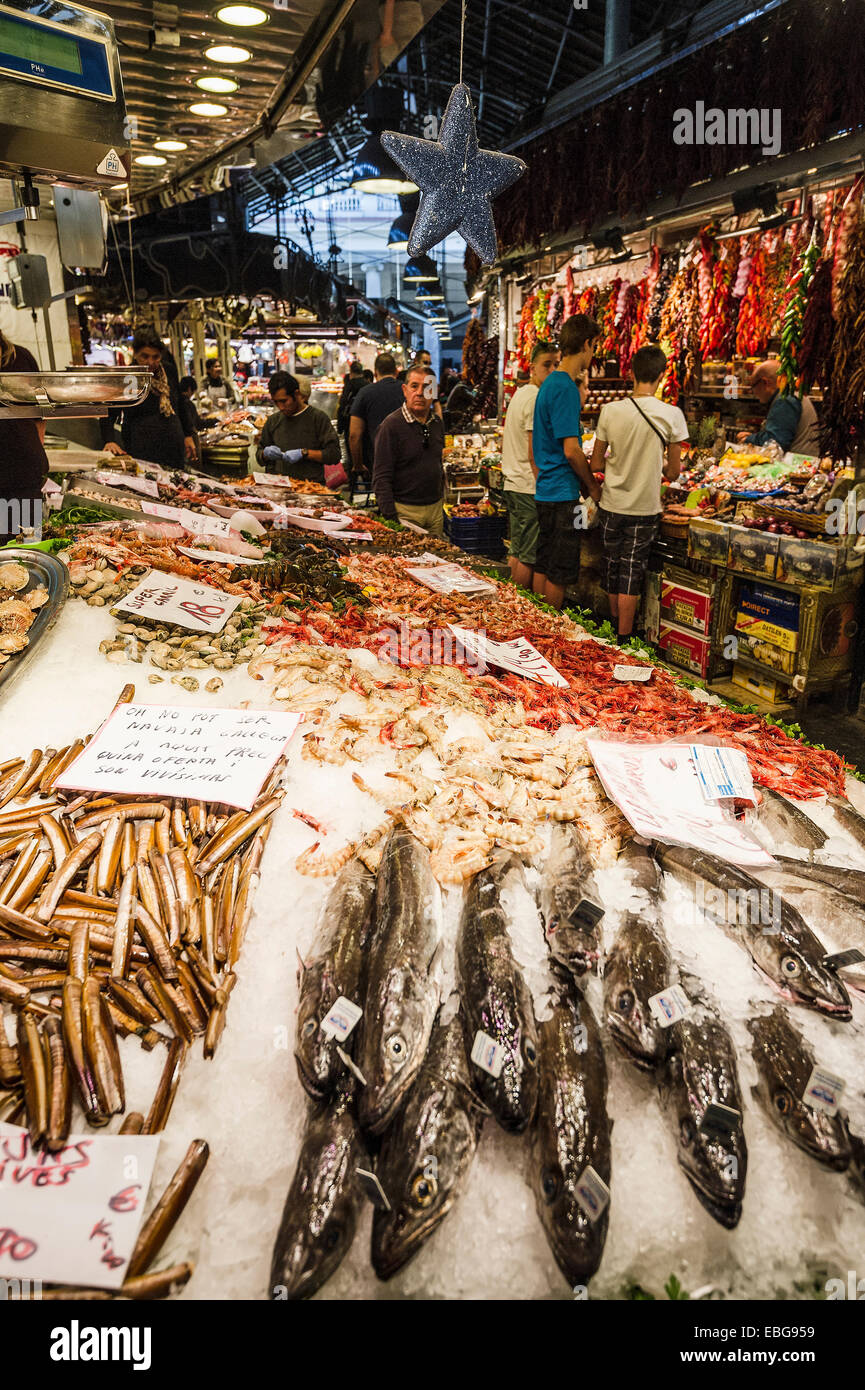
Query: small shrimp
[{"x": 325, "y": 865}]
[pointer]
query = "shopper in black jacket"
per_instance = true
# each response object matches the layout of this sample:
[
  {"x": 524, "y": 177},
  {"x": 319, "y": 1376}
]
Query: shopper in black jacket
[{"x": 162, "y": 428}]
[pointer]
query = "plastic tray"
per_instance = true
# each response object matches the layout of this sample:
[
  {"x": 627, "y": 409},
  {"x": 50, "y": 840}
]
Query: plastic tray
[{"x": 45, "y": 572}]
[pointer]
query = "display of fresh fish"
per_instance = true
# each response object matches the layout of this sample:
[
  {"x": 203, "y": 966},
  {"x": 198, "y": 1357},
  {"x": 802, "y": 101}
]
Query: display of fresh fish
[
  {"x": 778, "y": 821},
  {"x": 321, "y": 1209},
  {"x": 427, "y": 1152},
  {"x": 780, "y": 943},
  {"x": 636, "y": 968},
  {"x": 837, "y": 917},
  {"x": 701, "y": 1071},
  {"x": 402, "y": 990},
  {"x": 571, "y": 1132},
  {"x": 570, "y": 902},
  {"x": 785, "y": 1062},
  {"x": 338, "y": 970},
  {"x": 851, "y": 820},
  {"x": 850, "y": 881},
  {"x": 495, "y": 998},
  {"x": 641, "y": 869}
]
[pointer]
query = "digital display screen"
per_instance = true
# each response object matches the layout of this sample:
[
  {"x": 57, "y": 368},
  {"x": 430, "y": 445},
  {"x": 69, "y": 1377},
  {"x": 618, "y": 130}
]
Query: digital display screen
[{"x": 33, "y": 44}]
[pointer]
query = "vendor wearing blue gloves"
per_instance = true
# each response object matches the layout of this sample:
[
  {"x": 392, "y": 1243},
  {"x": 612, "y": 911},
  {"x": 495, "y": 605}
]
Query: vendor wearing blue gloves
[{"x": 297, "y": 439}]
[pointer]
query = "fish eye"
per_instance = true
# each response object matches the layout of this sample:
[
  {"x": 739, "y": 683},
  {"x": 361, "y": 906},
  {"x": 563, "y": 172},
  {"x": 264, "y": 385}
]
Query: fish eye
[
  {"x": 332, "y": 1237},
  {"x": 424, "y": 1190},
  {"x": 687, "y": 1131},
  {"x": 550, "y": 1184},
  {"x": 790, "y": 967},
  {"x": 395, "y": 1047},
  {"x": 308, "y": 1028},
  {"x": 530, "y": 1050},
  {"x": 625, "y": 1002},
  {"x": 782, "y": 1103}
]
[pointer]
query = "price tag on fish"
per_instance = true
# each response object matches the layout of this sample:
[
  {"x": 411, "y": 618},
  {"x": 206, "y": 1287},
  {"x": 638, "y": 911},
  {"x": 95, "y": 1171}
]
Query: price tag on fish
[
  {"x": 842, "y": 959},
  {"x": 341, "y": 1020},
  {"x": 592, "y": 1193},
  {"x": 670, "y": 1005},
  {"x": 171, "y": 599},
  {"x": 720, "y": 1121},
  {"x": 722, "y": 773},
  {"x": 632, "y": 673},
  {"x": 488, "y": 1054},
  {"x": 167, "y": 750},
  {"x": 824, "y": 1091},
  {"x": 72, "y": 1216},
  {"x": 518, "y": 656}
]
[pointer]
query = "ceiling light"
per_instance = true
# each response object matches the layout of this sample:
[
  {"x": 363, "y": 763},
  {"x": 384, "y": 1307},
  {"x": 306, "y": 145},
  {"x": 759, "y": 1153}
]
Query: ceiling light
[
  {"x": 207, "y": 108},
  {"x": 433, "y": 293},
  {"x": 171, "y": 145},
  {"x": 150, "y": 161},
  {"x": 400, "y": 230},
  {"x": 227, "y": 53},
  {"x": 242, "y": 16},
  {"x": 420, "y": 269},
  {"x": 376, "y": 172},
  {"x": 216, "y": 84}
]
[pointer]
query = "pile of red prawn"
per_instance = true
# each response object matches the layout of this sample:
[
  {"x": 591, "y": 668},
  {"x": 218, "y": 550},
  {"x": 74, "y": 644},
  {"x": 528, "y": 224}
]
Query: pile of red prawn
[{"x": 657, "y": 708}]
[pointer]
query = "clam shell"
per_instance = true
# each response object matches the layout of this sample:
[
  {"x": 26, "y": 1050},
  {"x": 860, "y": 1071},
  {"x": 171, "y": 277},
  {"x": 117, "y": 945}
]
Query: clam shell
[{"x": 14, "y": 577}]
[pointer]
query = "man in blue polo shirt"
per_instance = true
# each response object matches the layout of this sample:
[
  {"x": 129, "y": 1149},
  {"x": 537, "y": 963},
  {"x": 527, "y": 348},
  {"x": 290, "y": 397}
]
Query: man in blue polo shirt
[{"x": 563, "y": 469}]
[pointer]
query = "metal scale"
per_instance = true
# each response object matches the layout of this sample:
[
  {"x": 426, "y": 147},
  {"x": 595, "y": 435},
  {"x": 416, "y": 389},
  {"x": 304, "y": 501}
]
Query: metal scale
[{"x": 62, "y": 121}]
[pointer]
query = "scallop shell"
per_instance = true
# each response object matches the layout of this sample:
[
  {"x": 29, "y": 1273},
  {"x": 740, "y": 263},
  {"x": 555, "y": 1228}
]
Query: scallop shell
[
  {"x": 14, "y": 577},
  {"x": 15, "y": 615},
  {"x": 36, "y": 598},
  {"x": 13, "y": 642}
]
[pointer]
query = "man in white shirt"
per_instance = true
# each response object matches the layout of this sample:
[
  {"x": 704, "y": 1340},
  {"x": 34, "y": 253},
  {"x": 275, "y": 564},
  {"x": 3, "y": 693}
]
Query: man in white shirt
[
  {"x": 637, "y": 443},
  {"x": 518, "y": 466}
]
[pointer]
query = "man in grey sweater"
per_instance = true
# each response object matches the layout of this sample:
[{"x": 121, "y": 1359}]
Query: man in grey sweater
[{"x": 297, "y": 439}]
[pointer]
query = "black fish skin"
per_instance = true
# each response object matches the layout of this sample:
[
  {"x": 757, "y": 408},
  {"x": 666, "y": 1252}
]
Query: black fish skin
[
  {"x": 785, "y": 1061},
  {"x": 636, "y": 968},
  {"x": 784, "y": 948},
  {"x": 701, "y": 1071},
  {"x": 427, "y": 1152},
  {"x": 851, "y": 819},
  {"x": 338, "y": 970},
  {"x": 778, "y": 821},
  {"x": 567, "y": 879},
  {"x": 496, "y": 999},
  {"x": 571, "y": 1130},
  {"x": 402, "y": 993},
  {"x": 320, "y": 1214},
  {"x": 848, "y": 881}
]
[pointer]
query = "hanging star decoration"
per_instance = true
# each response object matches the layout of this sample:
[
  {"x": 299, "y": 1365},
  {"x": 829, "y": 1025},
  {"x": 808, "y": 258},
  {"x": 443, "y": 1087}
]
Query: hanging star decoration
[{"x": 456, "y": 179}]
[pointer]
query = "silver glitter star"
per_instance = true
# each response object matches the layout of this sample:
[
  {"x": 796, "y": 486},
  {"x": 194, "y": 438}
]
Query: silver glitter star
[{"x": 456, "y": 180}]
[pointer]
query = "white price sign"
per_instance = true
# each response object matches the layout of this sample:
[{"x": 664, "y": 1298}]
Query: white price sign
[
  {"x": 222, "y": 557},
  {"x": 723, "y": 773},
  {"x": 72, "y": 1217},
  {"x": 164, "y": 513},
  {"x": 273, "y": 480},
  {"x": 518, "y": 656},
  {"x": 170, "y": 599},
  {"x": 113, "y": 478},
  {"x": 170, "y": 750},
  {"x": 449, "y": 579},
  {"x": 201, "y": 525}
]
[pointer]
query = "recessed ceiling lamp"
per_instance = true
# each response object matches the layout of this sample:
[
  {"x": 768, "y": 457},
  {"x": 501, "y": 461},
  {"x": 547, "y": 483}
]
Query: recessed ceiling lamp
[
  {"x": 208, "y": 108},
  {"x": 242, "y": 16},
  {"x": 217, "y": 84},
  {"x": 420, "y": 269},
  {"x": 173, "y": 146},
  {"x": 227, "y": 53},
  {"x": 150, "y": 161}
]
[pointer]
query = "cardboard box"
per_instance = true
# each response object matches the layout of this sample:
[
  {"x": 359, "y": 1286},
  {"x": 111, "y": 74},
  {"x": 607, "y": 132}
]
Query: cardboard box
[
  {"x": 685, "y": 606},
  {"x": 768, "y": 614},
  {"x": 686, "y": 649},
  {"x": 756, "y": 684},
  {"x": 815, "y": 563},
  {"x": 767, "y": 653},
  {"x": 708, "y": 541},
  {"x": 753, "y": 552}
]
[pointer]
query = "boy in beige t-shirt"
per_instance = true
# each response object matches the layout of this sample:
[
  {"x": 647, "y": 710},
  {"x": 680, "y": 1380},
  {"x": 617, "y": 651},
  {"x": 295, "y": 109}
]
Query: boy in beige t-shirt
[{"x": 637, "y": 443}]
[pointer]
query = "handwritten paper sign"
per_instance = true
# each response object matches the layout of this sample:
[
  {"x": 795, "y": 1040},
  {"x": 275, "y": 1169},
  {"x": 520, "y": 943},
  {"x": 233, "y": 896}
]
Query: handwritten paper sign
[
  {"x": 164, "y": 513},
  {"x": 449, "y": 579},
  {"x": 170, "y": 599},
  {"x": 330, "y": 525},
  {"x": 632, "y": 673},
  {"x": 223, "y": 557},
  {"x": 518, "y": 656},
  {"x": 163, "y": 750},
  {"x": 72, "y": 1217},
  {"x": 201, "y": 525},
  {"x": 657, "y": 789},
  {"x": 273, "y": 480},
  {"x": 112, "y": 478}
]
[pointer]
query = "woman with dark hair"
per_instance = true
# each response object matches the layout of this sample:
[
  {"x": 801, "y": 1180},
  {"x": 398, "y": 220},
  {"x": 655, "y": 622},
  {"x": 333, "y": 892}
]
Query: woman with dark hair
[
  {"x": 162, "y": 428},
  {"x": 23, "y": 460}
]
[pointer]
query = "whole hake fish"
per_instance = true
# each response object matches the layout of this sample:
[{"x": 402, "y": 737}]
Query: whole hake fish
[
  {"x": 780, "y": 943},
  {"x": 320, "y": 1213},
  {"x": 570, "y": 903},
  {"x": 852, "y": 820},
  {"x": 402, "y": 990},
  {"x": 849, "y": 881},
  {"x": 636, "y": 968},
  {"x": 337, "y": 971},
  {"x": 427, "y": 1152},
  {"x": 571, "y": 1132},
  {"x": 778, "y": 821},
  {"x": 785, "y": 1062},
  {"x": 829, "y": 911},
  {"x": 495, "y": 998},
  {"x": 701, "y": 1071}
]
